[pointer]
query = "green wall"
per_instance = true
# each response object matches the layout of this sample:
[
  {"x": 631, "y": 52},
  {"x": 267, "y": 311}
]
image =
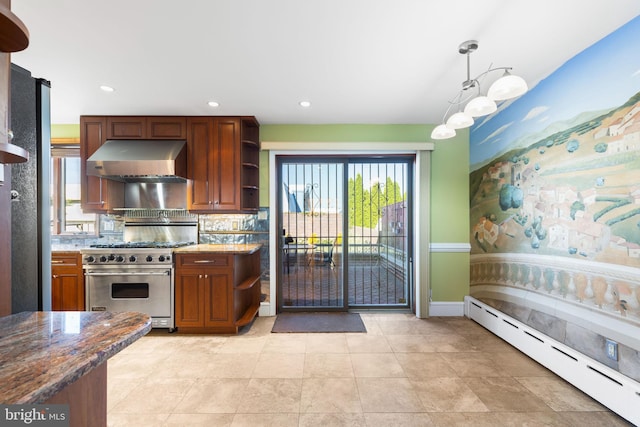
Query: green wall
[{"x": 65, "y": 131}]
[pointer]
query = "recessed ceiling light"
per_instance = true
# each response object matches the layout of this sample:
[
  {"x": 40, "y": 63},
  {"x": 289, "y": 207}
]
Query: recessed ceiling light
[
  {"x": 305, "y": 104},
  {"x": 107, "y": 88},
  {"x": 213, "y": 104}
]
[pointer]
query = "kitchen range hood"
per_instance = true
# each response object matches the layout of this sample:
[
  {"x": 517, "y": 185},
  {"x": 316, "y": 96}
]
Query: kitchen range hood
[{"x": 140, "y": 160}]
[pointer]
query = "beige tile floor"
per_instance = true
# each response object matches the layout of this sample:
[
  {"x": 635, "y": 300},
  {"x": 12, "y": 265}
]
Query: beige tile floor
[{"x": 403, "y": 372}]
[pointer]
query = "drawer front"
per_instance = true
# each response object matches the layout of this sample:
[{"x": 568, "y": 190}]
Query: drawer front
[
  {"x": 202, "y": 260},
  {"x": 65, "y": 259}
]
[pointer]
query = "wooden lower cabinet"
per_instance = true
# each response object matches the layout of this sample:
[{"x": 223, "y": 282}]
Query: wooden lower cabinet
[
  {"x": 216, "y": 293},
  {"x": 67, "y": 282}
]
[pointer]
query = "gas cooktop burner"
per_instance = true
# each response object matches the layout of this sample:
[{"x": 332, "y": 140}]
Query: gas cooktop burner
[{"x": 144, "y": 245}]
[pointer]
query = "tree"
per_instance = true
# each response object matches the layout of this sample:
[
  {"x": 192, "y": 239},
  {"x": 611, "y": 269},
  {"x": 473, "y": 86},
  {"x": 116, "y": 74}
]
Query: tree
[
  {"x": 506, "y": 193},
  {"x": 517, "y": 197},
  {"x": 510, "y": 197},
  {"x": 573, "y": 145},
  {"x": 575, "y": 207},
  {"x": 359, "y": 201},
  {"x": 600, "y": 147},
  {"x": 365, "y": 207}
]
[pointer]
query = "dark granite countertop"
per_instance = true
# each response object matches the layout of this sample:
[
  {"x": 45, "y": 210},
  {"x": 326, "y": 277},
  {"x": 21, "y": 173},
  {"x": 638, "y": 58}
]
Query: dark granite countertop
[
  {"x": 43, "y": 352},
  {"x": 220, "y": 248}
]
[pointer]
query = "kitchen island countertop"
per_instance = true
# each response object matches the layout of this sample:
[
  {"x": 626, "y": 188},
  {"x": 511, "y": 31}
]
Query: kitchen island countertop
[
  {"x": 220, "y": 248},
  {"x": 41, "y": 353}
]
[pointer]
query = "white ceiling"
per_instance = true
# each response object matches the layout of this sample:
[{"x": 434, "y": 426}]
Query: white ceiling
[{"x": 357, "y": 61}]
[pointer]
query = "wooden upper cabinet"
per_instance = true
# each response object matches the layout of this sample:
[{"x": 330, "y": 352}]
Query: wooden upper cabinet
[
  {"x": 149, "y": 127},
  {"x": 167, "y": 127},
  {"x": 222, "y": 165},
  {"x": 96, "y": 194},
  {"x": 126, "y": 127},
  {"x": 199, "y": 163},
  {"x": 222, "y": 159},
  {"x": 226, "y": 162}
]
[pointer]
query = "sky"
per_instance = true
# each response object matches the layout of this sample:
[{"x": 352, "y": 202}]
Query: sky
[{"x": 603, "y": 76}]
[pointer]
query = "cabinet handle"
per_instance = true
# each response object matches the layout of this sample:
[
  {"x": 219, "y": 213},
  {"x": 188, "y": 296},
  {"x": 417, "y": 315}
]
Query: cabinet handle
[
  {"x": 56, "y": 261},
  {"x": 206, "y": 276},
  {"x": 199, "y": 276},
  {"x": 55, "y": 276},
  {"x": 204, "y": 261},
  {"x": 215, "y": 203}
]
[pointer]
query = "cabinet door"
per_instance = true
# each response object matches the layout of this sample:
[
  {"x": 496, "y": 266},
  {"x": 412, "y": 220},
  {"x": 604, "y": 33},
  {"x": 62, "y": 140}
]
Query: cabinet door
[
  {"x": 189, "y": 299},
  {"x": 94, "y": 190},
  {"x": 126, "y": 127},
  {"x": 167, "y": 127},
  {"x": 67, "y": 291},
  {"x": 226, "y": 158},
  {"x": 199, "y": 163},
  {"x": 67, "y": 282},
  {"x": 217, "y": 297}
]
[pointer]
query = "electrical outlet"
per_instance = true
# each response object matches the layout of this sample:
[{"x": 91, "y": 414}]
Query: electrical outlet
[{"x": 612, "y": 349}]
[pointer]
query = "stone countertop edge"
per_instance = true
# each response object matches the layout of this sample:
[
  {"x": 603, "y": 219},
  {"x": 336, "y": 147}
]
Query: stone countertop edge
[
  {"x": 220, "y": 248},
  {"x": 43, "y": 352}
]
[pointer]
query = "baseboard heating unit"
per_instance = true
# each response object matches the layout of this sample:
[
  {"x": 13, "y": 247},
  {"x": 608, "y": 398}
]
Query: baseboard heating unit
[{"x": 619, "y": 393}]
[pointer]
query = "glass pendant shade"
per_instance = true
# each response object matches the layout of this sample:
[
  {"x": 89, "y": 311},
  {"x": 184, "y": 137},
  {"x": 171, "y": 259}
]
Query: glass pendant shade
[
  {"x": 506, "y": 87},
  {"x": 459, "y": 120},
  {"x": 480, "y": 106},
  {"x": 442, "y": 132}
]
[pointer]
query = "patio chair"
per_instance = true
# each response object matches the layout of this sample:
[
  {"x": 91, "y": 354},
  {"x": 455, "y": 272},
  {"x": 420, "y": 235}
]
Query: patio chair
[{"x": 322, "y": 256}]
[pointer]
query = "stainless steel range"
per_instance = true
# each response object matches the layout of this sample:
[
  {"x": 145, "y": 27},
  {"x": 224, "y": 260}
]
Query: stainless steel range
[{"x": 138, "y": 274}]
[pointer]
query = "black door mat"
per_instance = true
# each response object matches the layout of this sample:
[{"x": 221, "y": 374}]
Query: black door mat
[{"x": 318, "y": 322}]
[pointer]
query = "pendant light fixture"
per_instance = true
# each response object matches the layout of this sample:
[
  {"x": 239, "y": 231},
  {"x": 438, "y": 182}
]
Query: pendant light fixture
[{"x": 477, "y": 105}]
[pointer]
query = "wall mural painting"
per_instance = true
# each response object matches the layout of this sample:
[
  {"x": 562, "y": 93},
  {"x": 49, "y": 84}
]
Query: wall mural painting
[{"x": 555, "y": 183}]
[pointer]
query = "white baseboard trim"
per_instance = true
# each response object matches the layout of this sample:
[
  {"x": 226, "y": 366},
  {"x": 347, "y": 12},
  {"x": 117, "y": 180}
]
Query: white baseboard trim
[
  {"x": 266, "y": 309},
  {"x": 618, "y": 392},
  {"x": 446, "y": 308}
]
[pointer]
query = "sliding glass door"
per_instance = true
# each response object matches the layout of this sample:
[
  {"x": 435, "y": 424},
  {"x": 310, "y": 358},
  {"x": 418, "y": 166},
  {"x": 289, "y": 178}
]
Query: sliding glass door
[{"x": 345, "y": 240}]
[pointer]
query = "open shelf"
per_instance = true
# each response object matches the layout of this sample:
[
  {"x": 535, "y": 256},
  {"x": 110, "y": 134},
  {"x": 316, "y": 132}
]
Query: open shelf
[
  {"x": 248, "y": 284},
  {"x": 251, "y": 143},
  {"x": 249, "y": 315},
  {"x": 14, "y": 35},
  {"x": 10, "y": 153}
]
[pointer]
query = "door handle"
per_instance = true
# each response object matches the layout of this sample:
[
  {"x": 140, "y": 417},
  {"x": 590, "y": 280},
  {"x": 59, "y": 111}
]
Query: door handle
[{"x": 164, "y": 273}]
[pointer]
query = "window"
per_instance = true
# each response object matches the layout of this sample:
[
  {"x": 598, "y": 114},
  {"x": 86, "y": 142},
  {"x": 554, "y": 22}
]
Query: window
[{"x": 66, "y": 214}]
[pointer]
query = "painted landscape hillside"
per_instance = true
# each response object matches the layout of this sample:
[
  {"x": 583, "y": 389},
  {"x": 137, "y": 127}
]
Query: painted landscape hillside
[{"x": 575, "y": 193}]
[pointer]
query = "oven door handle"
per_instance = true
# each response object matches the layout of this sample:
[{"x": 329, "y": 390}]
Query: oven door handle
[{"x": 126, "y": 273}]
